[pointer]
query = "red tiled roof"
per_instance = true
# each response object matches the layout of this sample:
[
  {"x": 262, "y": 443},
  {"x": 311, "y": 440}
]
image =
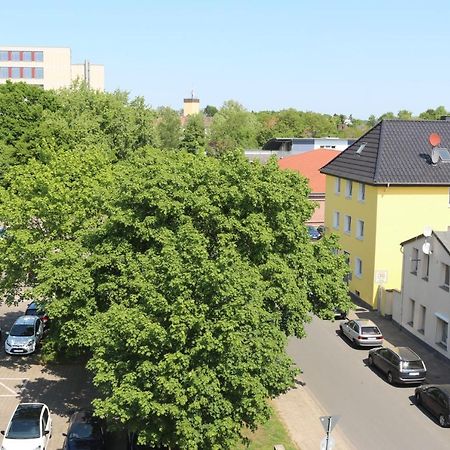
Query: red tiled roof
[{"x": 308, "y": 164}]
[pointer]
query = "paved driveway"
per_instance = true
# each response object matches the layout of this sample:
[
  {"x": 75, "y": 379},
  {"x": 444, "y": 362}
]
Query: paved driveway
[
  {"x": 373, "y": 414},
  {"x": 63, "y": 388}
]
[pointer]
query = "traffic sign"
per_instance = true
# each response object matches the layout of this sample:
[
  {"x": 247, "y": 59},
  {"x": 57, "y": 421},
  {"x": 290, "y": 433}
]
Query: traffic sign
[{"x": 328, "y": 422}]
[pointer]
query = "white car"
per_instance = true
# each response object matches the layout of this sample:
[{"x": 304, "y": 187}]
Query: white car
[
  {"x": 24, "y": 336},
  {"x": 30, "y": 428},
  {"x": 362, "y": 333}
]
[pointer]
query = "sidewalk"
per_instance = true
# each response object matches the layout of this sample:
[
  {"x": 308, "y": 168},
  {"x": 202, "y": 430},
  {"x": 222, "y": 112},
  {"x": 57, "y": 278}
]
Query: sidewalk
[{"x": 300, "y": 412}]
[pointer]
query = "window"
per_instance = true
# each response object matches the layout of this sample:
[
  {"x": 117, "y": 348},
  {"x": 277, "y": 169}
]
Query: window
[
  {"x": 3, "y": 72},
  {"x": 15, "y": 56},
  {"x": 441, "y": 332},
  {"x": 422, "y": 316},
  {"x": 414, "y": 261},
  {"x": 26, "y": 56},
  {"x": 445, "y": 277},
  {"x": 411, "y": 310},
  {"x": 4, "y": 57},
  {"x": 348, "y": 188},
  {"x": 15, "y": 72},
  {"x": 362, "y": 192},
  {"x": 358, "y": 267},
  {"x": 337, "y": 186},
  {"x": 39, "y": 72},
  {"x": 425, "y": 266},
  {"x": 38, "y": 56},
  {"x": 336, "y": 217},
  {"x": 27, "y": 72},
  {"x": 347, "y": 224},
  {"x": 360, "y": 229}
]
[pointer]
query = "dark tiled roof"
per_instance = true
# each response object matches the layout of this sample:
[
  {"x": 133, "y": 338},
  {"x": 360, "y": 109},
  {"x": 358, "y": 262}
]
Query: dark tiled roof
[{"x": 396, "y": 152}]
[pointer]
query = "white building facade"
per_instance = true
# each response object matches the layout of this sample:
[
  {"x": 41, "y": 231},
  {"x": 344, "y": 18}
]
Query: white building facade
[
  {"x": 424, "y": 303},
  {"x": 48, "y": 67}
]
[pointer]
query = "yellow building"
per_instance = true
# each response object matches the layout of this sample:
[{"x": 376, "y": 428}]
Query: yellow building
[
  {"x": 48, "y": 67},
  {"x": 385, "y": 188}
]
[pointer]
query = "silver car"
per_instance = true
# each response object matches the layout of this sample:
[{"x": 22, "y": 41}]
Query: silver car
[
  {"x": 24, "y": 335},
  {"x": 362, "y": 333}
]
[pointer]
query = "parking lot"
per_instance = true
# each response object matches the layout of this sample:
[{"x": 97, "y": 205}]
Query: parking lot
[{"x": 62, "y": 387}]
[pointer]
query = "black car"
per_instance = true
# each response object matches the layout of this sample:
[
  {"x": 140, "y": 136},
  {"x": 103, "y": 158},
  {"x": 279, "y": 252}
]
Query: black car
[
  {"x": 436, "y": 399},
  {"x": 132, "y": 444},
  {"x": 400, "y": 364},
  {"x": 34, "y": 310},
  {"x": 85, "y": 432}
]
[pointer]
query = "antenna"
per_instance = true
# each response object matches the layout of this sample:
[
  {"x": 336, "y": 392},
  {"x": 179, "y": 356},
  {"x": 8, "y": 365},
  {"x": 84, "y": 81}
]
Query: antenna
[
  {"x": 426, "y": 248},
  {"x": 434, "y": 156},
  {"x": 427, "y": 231}
]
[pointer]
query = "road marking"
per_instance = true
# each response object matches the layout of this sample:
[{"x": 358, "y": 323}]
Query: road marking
[{"x": 12, "y": 392}]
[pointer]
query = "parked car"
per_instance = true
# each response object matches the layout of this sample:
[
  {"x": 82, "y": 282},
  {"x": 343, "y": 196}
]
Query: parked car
[
  {"x": 313, "y": 233},
  {"x": 34, "y": 310},
  {"x": 362, "y": 333},
  {"x": 400, "y": 364},
  {"x": 85, "y": 432},
  {"x": 30, "y": 428},
  {"x": 435, "y": 398},
  {"x": 25, "y": 335}
]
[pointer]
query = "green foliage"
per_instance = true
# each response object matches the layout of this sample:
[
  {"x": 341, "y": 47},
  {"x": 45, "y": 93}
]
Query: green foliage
[
  {"x": 168, "y": 129},
  {"x": 179, "y": 274},
  {"x": 194, "y": 138},
  {"x": 210, "y": 111},
  {"x": 233, "y": 127}
]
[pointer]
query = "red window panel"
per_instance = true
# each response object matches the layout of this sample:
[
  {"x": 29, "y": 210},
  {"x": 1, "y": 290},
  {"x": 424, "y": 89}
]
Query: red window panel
[
  {"x": 21, "y": 68},
  {"x": 9, "y": 71},
  {"x": 10, "y": 56},
  {"x": 33, "y": 70},
  {"x": 32, "y": 57},
  {"x": 21, "y": 58}
]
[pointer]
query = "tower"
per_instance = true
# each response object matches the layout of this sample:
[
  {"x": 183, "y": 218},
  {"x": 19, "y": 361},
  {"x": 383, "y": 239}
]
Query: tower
[{"x": 191, "y": 105}]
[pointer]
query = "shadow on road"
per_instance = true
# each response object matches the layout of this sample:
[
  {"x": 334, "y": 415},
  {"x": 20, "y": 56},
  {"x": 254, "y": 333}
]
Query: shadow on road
[{"x": 424, "y": 411}]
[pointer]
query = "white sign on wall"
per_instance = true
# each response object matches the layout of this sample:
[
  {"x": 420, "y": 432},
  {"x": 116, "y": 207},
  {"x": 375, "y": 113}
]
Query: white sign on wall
[{"x": 381, "y": 276}]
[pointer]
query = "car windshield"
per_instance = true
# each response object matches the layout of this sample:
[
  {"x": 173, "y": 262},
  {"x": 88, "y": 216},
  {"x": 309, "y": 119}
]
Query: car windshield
[
  {"x": 22, "y": 330},
  {"x": 412, "y": 365},
  {"x": 24, "y": 429},
  {"x": 84, "y": 431},
  {"x": 370, "y": 330}
]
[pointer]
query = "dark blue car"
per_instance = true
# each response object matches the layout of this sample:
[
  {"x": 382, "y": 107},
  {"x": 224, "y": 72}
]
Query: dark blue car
[
  {"x": 86, "y": 432},
  {"x": 313, "y": 233}
]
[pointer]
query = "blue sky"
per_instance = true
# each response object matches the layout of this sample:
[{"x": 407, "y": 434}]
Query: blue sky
[{"x": 348, "y": 57}]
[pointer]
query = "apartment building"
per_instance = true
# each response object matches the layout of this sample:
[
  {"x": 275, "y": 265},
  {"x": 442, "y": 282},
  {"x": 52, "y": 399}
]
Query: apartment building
[
  {"x": 423, "y": 306},
  {"x": 48, "y": 67}
]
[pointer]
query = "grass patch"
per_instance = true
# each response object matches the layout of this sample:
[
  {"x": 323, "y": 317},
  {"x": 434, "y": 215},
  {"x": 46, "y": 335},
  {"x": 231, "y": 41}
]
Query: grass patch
[{"x": 267, "y": 435}]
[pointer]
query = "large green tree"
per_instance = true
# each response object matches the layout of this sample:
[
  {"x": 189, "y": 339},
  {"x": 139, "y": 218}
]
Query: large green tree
[{"x": 181, "y": 276}]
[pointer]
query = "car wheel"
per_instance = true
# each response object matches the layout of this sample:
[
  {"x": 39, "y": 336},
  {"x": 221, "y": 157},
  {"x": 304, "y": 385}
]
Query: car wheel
[
  {"x": 418, "y": 399},
  {"x": 443, "y": 421},
  {"x": 390, "y": 378},
  {"x": 355, "y": 344},
  {"x": 370, "y": 360}
]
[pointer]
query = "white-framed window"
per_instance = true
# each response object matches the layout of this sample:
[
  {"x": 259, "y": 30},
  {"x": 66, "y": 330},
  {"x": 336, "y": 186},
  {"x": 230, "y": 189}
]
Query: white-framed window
[
  {"x": 337, "y": 185},
  {"x": 336, "y": 219},
  {"x": 348, "y": 188},
  {"x": 441, "y": 332},
  {"x": 414, "y": 260},
  {"x": 411, "y": 311},
  {"x": 425, "y": 266},
  {"x": 358, "y": 267},
  {"x": 422, "y": 317},
  {"x": 360, "y": 229},
  {"x": 445, "y": 277},
  {"x": 362, "y": 192},
  {"x": 347, "y": 224}
]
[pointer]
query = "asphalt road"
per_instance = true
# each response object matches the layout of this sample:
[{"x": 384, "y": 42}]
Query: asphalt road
[{"x": 373, "y": 414}]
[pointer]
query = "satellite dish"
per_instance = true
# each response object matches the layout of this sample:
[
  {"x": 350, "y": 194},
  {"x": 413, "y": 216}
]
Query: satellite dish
[
  {"x": 426, "y": 248},
  {"x": 434, "y": 139},
  {"x": 427, "y": 231}
]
